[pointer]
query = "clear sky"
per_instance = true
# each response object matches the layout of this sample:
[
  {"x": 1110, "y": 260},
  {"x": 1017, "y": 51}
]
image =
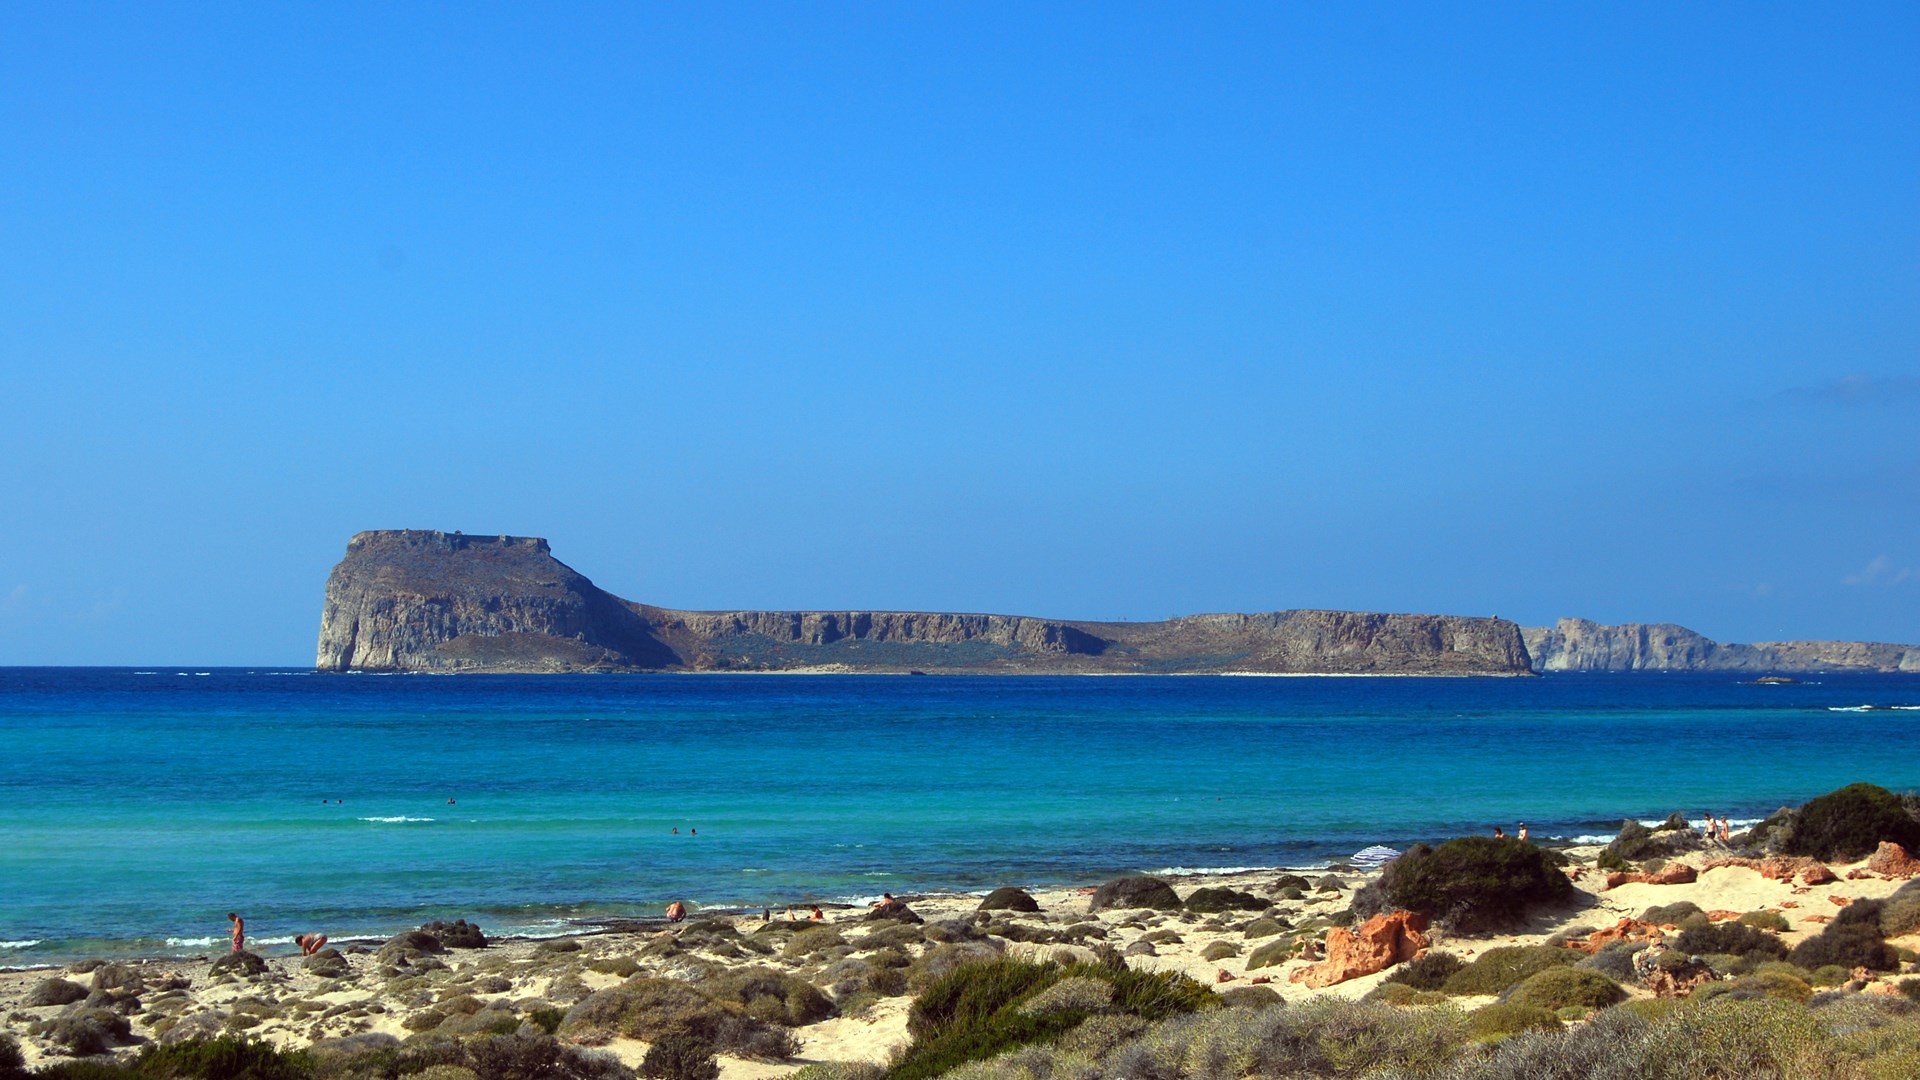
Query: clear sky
[{"x": 1096, "y": 311}]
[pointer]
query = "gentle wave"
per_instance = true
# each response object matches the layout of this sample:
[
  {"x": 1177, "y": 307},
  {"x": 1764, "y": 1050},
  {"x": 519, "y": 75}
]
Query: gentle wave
[
  {"x": 19, "y": 944},
  {"x": 1189, "y": 871},
  {"x": 1872, "y": 708},
  {"x": 394, "y": 820}
]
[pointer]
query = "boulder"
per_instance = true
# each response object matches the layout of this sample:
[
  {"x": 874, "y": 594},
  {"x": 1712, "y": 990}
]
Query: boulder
[
  {"x": 328, "y": 964},
  {"x": 1143, "y": 947},
  {"x": 1379, "y": 943},
  {"x": 1209, "y": 901},
  {"x": 411, "y": 944},
  {"x": 1624, "y": 930},
  {"x": 122, "y": 977},
  {"x": 54, "y": 991},
  {"x": 1892, "y": 860},
  {"x": 458, "y": 934},
  {"x": 893, "y": 911},
  {"x": 1009, "y": 898},
  {"x": 1779, "y": 868},
  {"x": 1136, "y": 892},
  {"x": 239, "y": 963}
]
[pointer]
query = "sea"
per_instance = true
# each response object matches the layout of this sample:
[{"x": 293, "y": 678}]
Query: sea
[{"x": 139, "y": 806}]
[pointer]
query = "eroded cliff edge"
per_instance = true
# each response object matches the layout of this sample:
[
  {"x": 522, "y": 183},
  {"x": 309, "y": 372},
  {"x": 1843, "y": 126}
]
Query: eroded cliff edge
[
  {"x": 422, "y": 600},
  {"x": 1582, "y": 645}
]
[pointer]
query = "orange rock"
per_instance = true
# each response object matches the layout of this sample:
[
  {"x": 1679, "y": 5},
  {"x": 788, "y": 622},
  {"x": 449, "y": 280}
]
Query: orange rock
[
  {"x": 1840, "y": 901},
  {"x": 1859, "y": 873},
  {"x": 1674, "y": 873},
  {"x": 1380, "y": 943},
  {"x": 1784, "y": 904},
  {"x": 1893, "y": 860},
  {"x": 1261, "y": 980},
  {"x": 1223, "y": 975},
  {"x": 1818, "y": 874},
  {"x": 1722, "y": 915},
  {"x": 1816, "y": 918},
  {"x": 1624, "y": 930}
]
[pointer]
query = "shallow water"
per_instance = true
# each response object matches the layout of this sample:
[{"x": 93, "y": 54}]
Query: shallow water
[{"x": 138, "y": 807}]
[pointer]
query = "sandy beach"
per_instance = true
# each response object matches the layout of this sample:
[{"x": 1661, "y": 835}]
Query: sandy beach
[{"x": 509, "y": 983}]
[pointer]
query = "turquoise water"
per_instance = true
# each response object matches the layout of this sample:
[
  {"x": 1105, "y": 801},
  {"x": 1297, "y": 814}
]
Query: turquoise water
[{"x": 137, "y": 808}]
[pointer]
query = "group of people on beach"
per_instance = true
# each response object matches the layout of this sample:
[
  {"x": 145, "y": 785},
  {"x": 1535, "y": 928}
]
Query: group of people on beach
[
  {"x": 1501, "y": 834},
  {"x": 308, "y": 943},
  {"x": 1722, "y": 830}
]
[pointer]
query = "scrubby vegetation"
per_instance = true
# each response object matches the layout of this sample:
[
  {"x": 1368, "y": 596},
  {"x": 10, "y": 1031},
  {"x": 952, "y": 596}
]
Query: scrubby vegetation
[
  {"x": 1493, "y": 971},
  {"x": 1471, "y": 884},
  {"x": 1561, "y": 987},
  {"x": 982, "y": 1009},
  {"x": 1731, "y": 939},
  {"x": 1850, "y": 823},
  {"x": 1428, "y": 971},
  {"x": 1853, "y": 939}
]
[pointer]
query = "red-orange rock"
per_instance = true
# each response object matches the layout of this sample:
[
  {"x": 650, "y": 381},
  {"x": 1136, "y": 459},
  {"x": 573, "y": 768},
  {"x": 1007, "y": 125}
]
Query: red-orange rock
[
  {"x": 1674, "y": 873},
  {"x": 1859, "y": 873},
  {"x": 1624, "y": 930},
  {"x": 1840, "y": 901},
  {"x": 1223, "y": 975},
  {"x": 1722, "y": 915},
  {"x": 1893, "y": 860},
  {"x": 1816, "y": 918},
  {"x": 1818, "y": 874},
  {"x": 1380, "y": 943}
]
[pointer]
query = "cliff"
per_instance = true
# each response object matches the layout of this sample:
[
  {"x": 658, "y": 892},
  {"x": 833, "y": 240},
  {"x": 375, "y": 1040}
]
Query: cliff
[
  {"x": 1582, "y": 645},
  {"x": 415, "y": 600}
]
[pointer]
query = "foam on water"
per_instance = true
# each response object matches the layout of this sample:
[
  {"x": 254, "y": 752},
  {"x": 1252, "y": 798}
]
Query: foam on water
[
  {"x": 395, "y": 820},
  {"x": 28, "y": 944}
]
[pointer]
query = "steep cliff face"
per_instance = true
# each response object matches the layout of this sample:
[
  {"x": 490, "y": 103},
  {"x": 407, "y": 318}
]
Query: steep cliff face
[
  {"x": 420, "y": 600},
  {"x": 1583, "y": 645},
  {"x": 414, "y": 600}
]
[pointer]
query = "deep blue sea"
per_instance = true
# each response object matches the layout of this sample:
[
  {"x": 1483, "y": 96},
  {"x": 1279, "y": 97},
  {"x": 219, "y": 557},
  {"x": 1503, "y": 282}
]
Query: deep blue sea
[{"x": 137, "y": 807}]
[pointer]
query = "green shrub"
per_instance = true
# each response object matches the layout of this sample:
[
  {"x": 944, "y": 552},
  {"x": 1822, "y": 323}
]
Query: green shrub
[
  {"x": 1265, "y": 927},
  {"x": 680, "y": 1057},
  {"x": 1211, "y": 900},
  {"x": 1850, "y": 823},
  {"x": 1560, "y": 987},
  {"x": 1428, "y": 971},
  {"x": 808, "y": 943},
  {"x": 1765, "y": 920},
  {"x": 1273, "y": 952},
  {"x": 771, "y": 995},
  {"x": 1773, "y": 984},
  {"x": 1493, "y": 971},
  {"x": 1671, "y": 914},
  {"x": 1009, "y": 898},
  {"x": 1475, "y": 882},
  {"x": 1851, "y": 940},
  {"x": 13, "y": 1063},
  {"x": 1730, "y": 938},
  {"x": 1219, "y": 950},
  {"x": 979, "y": 1010},
  {"x": 89, "y": 1031},
  {"x": 1495, "y": 1022},
  {"x": 1900, "y": 914}
]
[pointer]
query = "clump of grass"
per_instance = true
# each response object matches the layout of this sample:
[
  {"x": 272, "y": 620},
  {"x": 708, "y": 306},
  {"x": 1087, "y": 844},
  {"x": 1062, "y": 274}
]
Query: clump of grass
[
  {"x": 1562, "y": 987},
  {"x": 1496, "y": 1022},
  {"x": 1730, "y": 938},
  {"x": 1428, "y": 971}
]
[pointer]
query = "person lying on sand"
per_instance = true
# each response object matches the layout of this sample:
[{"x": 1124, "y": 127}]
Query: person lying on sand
[{"x": 310, "y": 943}]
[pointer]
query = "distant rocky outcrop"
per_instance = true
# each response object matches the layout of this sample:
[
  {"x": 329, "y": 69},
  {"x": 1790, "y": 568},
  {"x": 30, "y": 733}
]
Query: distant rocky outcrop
[
  {"x": 1583, "y": 645},
  {"x": 420, "y": 600}
]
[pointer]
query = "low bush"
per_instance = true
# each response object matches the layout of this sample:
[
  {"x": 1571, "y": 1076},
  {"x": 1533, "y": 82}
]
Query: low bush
[
  {"x": 1475, "y": 882},
  {"x": 980, "y": 1009},
  {"x": 1212, "y": 900},
  {"x": 1851, "y": 940},
  {"x": 1009, "y": 898},
  {"x": 1773, "y": 984},
  {"x": 1766, "y": 920},
  {"x": 89, "y": 1031},
  {"x": 1900, "y": 914},
  {"x": 771, "y": 995},
  {"x": 1495, "y": 1022},
  {"x": 1671, "y": 914},
  {"x": 651, "y": 1009},
  {"x": 1560, "y": 987},
  {"x": 1730, "y": 938},
  {"x": 680, "y": 1057},
  {"x": 1219, "y": 950},
  {"x": 1428, "y": 971},
  {"x": 1264, "y": 927},
  {"x": 13, "y": 1063},
  {"x": 54, "y": 991},
  {"x": 1850, "y": 823},
  {"x": 1493, "y": 971}
]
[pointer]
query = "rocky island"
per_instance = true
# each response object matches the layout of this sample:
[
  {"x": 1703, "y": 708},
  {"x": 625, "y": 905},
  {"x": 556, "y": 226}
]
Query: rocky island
[{"x": 424, "y": 600}]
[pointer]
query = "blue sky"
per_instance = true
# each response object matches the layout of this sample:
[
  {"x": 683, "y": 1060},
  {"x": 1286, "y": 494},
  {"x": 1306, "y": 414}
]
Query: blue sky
[{"x": 1082, "y": 311}]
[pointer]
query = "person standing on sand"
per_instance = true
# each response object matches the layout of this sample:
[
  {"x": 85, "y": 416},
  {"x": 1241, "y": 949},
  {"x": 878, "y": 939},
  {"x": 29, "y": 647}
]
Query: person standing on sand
[
  {"x": 1522, "y": 834},
  {"x": 239, "y": 930}
]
